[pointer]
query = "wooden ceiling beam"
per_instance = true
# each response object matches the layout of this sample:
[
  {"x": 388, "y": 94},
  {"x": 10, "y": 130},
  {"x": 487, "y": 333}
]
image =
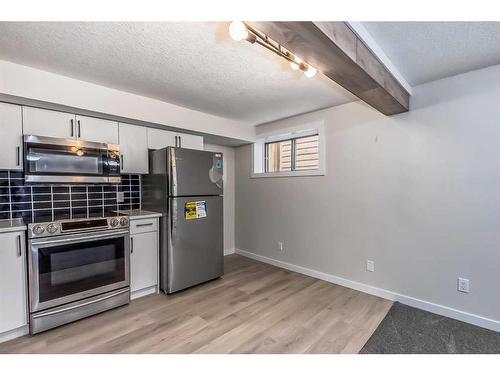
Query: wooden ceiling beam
[{"x": 337, "y": 52}]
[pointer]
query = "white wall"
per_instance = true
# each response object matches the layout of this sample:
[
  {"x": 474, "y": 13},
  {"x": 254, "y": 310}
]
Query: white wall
[
  {"x": 418, "y": 193},
  {"x": 26, "y": 82},
  {"x": 229, "y": 196}
]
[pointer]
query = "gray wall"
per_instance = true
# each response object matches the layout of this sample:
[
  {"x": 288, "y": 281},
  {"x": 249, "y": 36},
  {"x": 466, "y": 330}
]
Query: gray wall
[
  {"x": 229, "y": 192},
  {"x": 418, "y": 193}
]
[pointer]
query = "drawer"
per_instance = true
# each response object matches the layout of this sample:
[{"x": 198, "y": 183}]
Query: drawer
[{"x": 143, "y": 225}]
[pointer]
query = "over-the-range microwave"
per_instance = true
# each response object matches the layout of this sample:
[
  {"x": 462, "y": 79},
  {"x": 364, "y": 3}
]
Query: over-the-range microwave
[{"x": 69, "y": 161}]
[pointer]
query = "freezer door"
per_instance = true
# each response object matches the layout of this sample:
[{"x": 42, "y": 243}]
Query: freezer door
[
  {"x": 195, "y": 241},
  {"x": 194, "y": 172}
]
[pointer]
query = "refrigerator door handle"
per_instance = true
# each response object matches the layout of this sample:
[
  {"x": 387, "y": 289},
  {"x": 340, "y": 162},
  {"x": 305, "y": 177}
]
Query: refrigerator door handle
[
  {"x": 173, "y": 221},
  {"x": 173, "y": 170}
]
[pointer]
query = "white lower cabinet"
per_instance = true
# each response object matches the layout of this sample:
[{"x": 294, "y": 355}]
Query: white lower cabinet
[
  {"x": 143, "y": 256},
  {"x": 13, "y": 291}
]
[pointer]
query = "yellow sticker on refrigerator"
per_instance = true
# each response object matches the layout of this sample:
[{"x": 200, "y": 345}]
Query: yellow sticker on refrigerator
[{"x": 195, "y": 210}]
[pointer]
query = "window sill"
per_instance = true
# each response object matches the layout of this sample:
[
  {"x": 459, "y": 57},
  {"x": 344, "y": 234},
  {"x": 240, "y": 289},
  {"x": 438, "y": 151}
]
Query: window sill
[{"x": 310, "y": 173}]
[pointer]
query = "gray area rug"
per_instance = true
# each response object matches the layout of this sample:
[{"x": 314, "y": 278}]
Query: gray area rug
[{"x": 407, "y": 330}]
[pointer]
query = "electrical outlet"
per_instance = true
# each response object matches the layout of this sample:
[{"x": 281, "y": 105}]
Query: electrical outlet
[
  {"x": 370, "y": 266},
  {"x": 463, "y": 285},
  {"x": 120, "y": 197},
  {"x": 280, "y": 246}
]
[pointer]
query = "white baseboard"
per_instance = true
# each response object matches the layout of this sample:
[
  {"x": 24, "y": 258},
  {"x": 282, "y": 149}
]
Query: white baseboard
[
  {"x": 229, "y": 251},
  {"x": 383, "y": 293},
  {"x": 15, "y": 333}
]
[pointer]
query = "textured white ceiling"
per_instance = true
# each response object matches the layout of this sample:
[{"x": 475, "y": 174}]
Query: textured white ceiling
[
  {"x": 195, "y": 65},
  {"x": 426, "y": 51}
]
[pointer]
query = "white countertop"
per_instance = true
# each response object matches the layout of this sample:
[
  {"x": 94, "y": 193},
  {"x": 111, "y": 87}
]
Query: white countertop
[
  {"x": 13, "y": 225},
  {"x": 140, "y": 214}
]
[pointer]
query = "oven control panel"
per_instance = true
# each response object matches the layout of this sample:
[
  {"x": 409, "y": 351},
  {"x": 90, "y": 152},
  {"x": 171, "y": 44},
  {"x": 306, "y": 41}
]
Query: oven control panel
[{"x": 36, "y": 230}]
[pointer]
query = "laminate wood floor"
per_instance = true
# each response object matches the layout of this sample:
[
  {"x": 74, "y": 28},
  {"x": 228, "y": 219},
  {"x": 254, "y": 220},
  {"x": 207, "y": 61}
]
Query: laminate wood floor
[{"x": 255, "y": 308}]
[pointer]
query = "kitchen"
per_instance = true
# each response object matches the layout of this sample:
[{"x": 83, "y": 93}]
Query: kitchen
[{"x": 79, "y": 239}]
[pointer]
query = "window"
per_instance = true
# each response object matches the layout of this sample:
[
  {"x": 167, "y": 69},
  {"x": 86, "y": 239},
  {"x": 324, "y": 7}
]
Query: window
[
  {"x": 287, "y": 152},
  {"x": 297, "y": 154}
]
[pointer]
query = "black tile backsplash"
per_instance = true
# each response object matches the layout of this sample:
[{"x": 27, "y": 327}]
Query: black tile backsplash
[{"x": 47, "y": 202}]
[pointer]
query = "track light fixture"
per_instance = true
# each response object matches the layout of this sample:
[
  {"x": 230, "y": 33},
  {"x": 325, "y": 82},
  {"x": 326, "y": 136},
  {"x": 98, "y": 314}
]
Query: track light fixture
[{"x": 240, "y": 31}]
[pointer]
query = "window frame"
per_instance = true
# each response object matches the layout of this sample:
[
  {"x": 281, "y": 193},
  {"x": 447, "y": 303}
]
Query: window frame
[
  {"x": 258, "y": 157},
  {"x": 293, "y": 156}
]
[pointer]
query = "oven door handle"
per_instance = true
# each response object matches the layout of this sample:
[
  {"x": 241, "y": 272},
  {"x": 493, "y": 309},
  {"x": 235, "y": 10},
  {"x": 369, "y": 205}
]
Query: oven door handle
[
  {"x": 53, "y": 312},
  {"x": 78, "y": 239}
]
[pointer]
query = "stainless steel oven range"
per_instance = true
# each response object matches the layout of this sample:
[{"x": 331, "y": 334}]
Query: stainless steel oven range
[{"x": 77, "y": 268}]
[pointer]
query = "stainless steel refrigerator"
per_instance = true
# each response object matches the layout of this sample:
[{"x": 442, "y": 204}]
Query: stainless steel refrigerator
[{"x": 186, "y": 186}]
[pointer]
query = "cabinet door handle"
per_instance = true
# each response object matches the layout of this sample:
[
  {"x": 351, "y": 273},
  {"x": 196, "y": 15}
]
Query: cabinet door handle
[
  {"x": 180, "y": 141},
  {"x": 121, "y": 162},
  {"x": 144, "y": 225},
  {"x": 131, "y": 245},
  {"x": 18, "y": 156},
  {"x": 79, "y": 129},
  {"x": 175, "y": 141},
  {"x": 19, "y": 247},
  {"x": 72, "y": 127}
]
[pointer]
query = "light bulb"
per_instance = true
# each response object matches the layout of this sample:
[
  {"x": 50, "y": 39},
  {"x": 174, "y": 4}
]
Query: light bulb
[
  {"x": 310, "y": 72},
  {"x": 238, "y": 30},
  {"x": 296, "y": 64}
]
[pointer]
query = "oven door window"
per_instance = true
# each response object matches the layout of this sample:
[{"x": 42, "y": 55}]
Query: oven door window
[
  {"x": 64, "y": 160},
  {"x": 78, "y": 267}
]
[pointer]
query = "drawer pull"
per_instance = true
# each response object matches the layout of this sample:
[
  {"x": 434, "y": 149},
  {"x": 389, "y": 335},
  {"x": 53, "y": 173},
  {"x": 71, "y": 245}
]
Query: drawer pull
[{"x": 144, "y": 225}]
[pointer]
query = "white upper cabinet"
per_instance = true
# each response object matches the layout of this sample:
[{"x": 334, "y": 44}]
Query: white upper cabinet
[
  {"x": 134, "y": 140},
  {"x": 158, "y": 139},
  {"x": 11, "y": 136},
  {"x": 194, "y": 142},
  {"x": 66, "y": 125},
  {"x": 47, "y": 123},
  {"x": 96, "y": 130},
  {"x": 13, "y": 293},
  {"x": 133, "y": 148}
]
